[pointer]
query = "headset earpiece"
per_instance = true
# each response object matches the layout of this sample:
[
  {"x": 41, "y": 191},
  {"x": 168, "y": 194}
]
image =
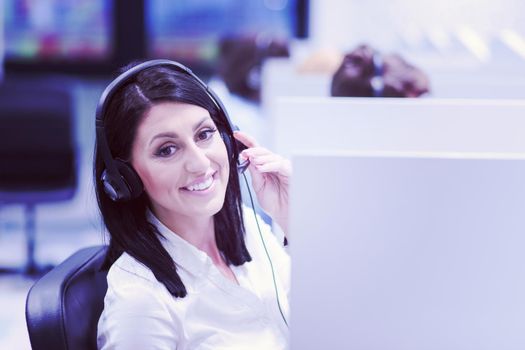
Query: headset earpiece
[
  {"x": 131, "y": 178},
  {"x": 234, "y": 148},
  {"x": 227, "y": 142},
  {"x": 123, "y": 186},
  {"x": 241, "y": 166}
]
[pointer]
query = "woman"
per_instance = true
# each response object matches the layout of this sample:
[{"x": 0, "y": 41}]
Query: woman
[{"x": 189, "y": 268}]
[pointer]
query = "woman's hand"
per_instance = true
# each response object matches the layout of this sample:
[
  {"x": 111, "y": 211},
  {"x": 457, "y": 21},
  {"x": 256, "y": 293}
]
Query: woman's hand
[{"x": 270, "y": 178}]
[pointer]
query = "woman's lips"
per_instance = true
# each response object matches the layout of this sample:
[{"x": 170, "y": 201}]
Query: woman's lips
[{"x": 201, "y": 185}]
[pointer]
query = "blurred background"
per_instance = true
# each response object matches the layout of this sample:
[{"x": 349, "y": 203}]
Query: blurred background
[{"x": 56, "y": 57}]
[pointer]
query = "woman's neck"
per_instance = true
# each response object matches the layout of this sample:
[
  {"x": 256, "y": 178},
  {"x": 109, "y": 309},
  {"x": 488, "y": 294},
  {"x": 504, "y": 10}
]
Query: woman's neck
[{"x": 199, "y": 232}]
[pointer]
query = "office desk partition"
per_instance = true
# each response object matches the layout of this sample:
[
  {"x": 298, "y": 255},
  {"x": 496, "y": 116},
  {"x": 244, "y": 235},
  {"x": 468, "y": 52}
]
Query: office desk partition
[{"x": 383, "y": 124}]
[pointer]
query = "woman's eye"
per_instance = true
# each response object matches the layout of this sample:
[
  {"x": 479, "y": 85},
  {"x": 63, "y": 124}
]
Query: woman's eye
[
  {"x": 205, "y": 134},
  {"x": 166, "y": 151}
]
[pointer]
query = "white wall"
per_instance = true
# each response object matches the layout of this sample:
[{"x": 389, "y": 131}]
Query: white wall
[{"x": 390, "y": 24}]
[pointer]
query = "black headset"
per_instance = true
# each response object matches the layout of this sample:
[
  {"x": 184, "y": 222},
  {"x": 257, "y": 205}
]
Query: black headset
[{"x": 121, "y": 182}]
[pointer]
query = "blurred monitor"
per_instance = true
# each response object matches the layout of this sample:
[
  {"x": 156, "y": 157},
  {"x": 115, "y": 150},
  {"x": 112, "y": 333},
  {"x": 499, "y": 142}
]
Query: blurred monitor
[
  {"x": 2, "y": 42},
  {"x": 408, "y": 251},
  {"x": 189, "y": 30},
  {"x": 58, "y": 34}
]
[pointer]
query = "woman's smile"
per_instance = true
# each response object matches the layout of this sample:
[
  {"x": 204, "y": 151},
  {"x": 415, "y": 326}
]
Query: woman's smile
[{"x": 203, "y": 185}]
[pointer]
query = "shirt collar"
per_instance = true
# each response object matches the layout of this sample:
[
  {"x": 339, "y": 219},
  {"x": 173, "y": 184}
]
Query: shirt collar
[{"x": 183, "y": 253}]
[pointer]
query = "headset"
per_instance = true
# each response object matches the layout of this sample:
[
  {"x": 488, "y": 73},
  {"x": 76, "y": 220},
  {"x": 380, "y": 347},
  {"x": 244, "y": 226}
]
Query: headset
[{"x": 120, "y": 181}]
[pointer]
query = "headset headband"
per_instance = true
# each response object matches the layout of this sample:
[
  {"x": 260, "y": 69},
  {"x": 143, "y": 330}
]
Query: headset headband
[{"x": 125, "y": 76}]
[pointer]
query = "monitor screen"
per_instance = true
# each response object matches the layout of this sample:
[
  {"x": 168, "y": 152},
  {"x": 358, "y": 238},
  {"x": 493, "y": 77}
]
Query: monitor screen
[
  {"x": 189, "y": 30},
  {"x": 58, "y": 30},
  {"x": 1, "y": 43}
]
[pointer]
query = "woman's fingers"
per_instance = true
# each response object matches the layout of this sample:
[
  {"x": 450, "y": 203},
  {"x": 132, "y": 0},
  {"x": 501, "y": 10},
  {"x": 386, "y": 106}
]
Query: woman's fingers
[
  {"x": 266, "y": 161},
  {"x": 278, "y": 166},
  {"x": 245, "y": 139},
  {"x": 256, "y": 151},
  {"x": 259, "y": 160},
  {"x": 258, "y": 155},
  {"x": 252, "y": 154}
]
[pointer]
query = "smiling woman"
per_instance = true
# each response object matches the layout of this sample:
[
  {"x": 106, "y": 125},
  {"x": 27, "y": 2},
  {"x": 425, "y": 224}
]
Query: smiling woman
[
  {"x": 187, "y": 266},
  {"x": 184, "y": 170}
]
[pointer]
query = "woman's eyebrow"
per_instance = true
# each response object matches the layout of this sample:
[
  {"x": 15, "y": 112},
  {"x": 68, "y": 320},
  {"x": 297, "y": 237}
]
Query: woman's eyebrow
[
  {"x": 198, "y": 125},
  {"x": 172, "y": 135},
  {"x": 168, "y": 134}
]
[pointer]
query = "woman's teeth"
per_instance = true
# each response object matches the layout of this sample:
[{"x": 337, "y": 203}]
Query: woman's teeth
[{"x": 201, "y": 186}]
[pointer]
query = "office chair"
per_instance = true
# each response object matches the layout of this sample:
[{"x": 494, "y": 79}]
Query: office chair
[
  {"x": 38, "y": 151},
  {"x": 63, "y": 307}
]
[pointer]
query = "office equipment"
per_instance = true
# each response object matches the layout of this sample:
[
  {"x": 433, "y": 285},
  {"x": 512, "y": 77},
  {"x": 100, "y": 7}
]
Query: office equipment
[
  {"x": 72, "y": 37},
  {"x": 189, "y": 31},
  {"x": 408, "y": 251},
  {"x": 2, "y": 43},
  {"x": 63, "y": 307},
  {"x": 93, "y": 36}
]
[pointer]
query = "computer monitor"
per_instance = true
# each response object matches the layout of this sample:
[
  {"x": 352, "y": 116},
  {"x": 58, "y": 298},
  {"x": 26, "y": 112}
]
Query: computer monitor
[
  {"x": 57, "y": 35},
  {"x": 100, "y": 36},
  {"x": 408, "y": 251},
  {"x": 2, "y": 43},
  {"x": 189, "y": 31}
]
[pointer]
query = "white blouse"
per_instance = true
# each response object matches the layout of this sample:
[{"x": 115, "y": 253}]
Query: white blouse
[{"x": 140, "y": 313}]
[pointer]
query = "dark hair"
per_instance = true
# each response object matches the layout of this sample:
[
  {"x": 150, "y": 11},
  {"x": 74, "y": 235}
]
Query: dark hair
[
  {"x": 355, "y": 75},
  {"x": 127, "y": 222},
  {"x": 241, "y": 59}
]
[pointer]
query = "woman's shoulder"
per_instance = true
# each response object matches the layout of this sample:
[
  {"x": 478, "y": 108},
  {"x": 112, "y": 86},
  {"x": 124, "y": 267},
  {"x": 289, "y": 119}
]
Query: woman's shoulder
[
  {"x": 256, "y": 229},
  {"x": 254, "y": 223},
  {"x": 128, "y": 270},
  {"x": 249, "y": 217}
]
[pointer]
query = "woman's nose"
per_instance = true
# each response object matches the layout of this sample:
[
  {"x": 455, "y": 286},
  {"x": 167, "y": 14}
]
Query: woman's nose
[{"x": 197, "y": 160}]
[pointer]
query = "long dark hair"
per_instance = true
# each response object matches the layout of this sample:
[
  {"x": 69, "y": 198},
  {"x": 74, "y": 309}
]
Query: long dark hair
[{"x": 126, "y": 222}]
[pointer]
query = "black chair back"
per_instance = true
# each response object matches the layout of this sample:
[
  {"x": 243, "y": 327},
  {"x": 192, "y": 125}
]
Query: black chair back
[
  {"x": 38, "y": 151},
  {"x": 63, "y": 307},
  {"x": 37, "y": 141}
]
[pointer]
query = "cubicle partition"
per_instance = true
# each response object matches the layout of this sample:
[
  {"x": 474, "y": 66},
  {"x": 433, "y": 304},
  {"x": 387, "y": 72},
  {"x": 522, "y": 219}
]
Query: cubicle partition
[
  {"x": 464, "y": 79},
  {"x": 407, "y": 251},
  {"x": 477, "y": 84},
  {"x": 415, "y": 125},
  {"x": 405, "y": 218}
]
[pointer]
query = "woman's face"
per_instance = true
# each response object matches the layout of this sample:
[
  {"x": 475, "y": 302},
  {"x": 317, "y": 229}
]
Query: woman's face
[{"x": 182, "y": 161}]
